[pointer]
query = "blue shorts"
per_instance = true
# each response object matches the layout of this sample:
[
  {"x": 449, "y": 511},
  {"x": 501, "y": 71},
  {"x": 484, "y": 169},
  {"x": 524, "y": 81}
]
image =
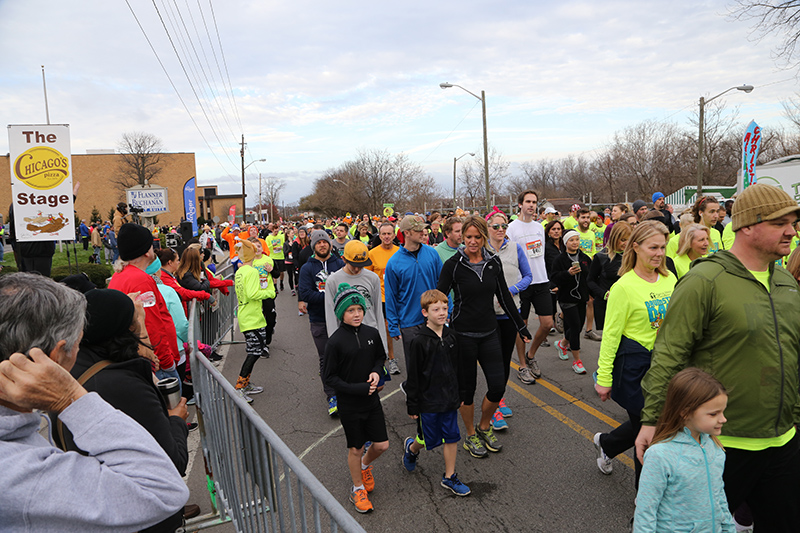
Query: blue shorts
[{"x": 438, "y": 428}]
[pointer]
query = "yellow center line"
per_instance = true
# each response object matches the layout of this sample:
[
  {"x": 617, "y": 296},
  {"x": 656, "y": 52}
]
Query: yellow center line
[{"x": 555, "y": 413}]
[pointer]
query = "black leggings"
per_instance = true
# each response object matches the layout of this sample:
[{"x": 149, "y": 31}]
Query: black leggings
[
  {"x": 623, "y": 438},
  {"x": 599, "y": 313},
  {"x": 487, "y": 352},
  {"x": 290, "y": 273},
  {"x": 271, "y": 316},
  {"x": 508, "y": 341},
  {"x": 255, "y": 342},
  {"x": 574, "y": 317}
]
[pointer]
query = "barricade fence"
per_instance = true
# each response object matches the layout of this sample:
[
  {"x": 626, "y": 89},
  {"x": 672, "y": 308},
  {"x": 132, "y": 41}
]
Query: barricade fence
[{"x": 255, "y": 481}]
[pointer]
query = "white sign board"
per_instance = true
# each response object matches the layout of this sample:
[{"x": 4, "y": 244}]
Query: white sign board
[
  {"x": 41, "y": 182},
  {"x": 153, "y": 200}
]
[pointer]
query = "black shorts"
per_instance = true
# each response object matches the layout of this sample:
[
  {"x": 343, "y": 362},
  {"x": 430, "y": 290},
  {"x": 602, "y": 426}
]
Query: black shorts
[
  {"x": 538, "y": 296},
  {"x": 278, "y": 266},
  {"x": 361, "y": 426}
]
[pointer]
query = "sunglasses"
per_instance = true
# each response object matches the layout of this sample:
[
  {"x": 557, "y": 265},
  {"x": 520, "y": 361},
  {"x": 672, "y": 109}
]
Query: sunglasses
[{"x": 499, "y": 226}]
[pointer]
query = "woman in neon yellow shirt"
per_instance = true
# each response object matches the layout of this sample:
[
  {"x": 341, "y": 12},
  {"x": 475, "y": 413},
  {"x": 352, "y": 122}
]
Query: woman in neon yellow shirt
[
  {"x": 706, "y": 212},
  {"x": 693, "y": 243},
  {"x": 637, "y": 303}
]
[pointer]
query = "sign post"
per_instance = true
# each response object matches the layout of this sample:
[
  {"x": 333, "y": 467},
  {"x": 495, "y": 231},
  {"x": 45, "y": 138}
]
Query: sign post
[{"x": 41, "y": 182}]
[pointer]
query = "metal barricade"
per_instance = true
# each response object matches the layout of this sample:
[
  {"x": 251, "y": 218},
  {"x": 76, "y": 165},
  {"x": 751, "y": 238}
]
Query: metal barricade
[
  {"x": 255, "y": 480},
  {"x": 215, "y": 320}
]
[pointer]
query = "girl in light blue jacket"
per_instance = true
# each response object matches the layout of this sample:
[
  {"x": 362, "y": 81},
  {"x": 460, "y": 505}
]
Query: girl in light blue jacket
[{"x": 681, "y": 487}]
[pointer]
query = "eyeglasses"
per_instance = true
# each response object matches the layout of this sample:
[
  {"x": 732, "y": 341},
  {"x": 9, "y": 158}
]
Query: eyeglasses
[{"x": 498, "y": 226}]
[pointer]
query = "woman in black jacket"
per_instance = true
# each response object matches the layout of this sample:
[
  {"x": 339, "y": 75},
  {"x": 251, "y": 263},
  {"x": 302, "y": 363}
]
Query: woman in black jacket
[
  {"x": 552, "y": 249},
  {"x": 191, "y": 274},
  {"x": 112, "y": 335},
  {"x": 476, "y": 277},
  {"x": 569, "y": 273},
  {"x": 604, "y": 270}
]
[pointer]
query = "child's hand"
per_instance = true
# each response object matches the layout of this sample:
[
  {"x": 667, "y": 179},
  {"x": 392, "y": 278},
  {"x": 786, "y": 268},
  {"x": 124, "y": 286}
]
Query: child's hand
[
  {"x": 373, "y": 380},
  {"x": 414, "y": 417}
]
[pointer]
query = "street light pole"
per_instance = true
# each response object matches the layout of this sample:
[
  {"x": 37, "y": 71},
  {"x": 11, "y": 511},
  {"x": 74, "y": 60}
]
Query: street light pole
[
  {"x": 701, "y": 136},
  {"x": 482, "y": 98},
  {"x": 454, "y": 176},
  {"x": 243, "y": 169}
]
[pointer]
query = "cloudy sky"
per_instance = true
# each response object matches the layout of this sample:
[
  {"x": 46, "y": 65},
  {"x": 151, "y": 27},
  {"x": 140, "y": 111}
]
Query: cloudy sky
[{"x": 311, "y": 82}]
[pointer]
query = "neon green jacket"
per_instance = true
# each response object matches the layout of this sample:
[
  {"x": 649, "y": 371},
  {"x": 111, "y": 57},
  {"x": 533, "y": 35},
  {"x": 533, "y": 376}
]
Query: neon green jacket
[{"x": 722, "y": 320}]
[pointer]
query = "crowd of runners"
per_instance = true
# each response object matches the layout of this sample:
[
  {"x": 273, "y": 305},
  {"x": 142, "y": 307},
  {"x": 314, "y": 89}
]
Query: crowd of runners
[{"x": 695, "y": 313}]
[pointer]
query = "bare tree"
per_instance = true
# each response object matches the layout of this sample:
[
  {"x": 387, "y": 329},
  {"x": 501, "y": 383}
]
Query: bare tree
[
  {"x": 140, "y": 159},
  {"x": 774, "y": 16},
  {"x": 270, "y": 194},
  {"x": 473, "y": 180}
]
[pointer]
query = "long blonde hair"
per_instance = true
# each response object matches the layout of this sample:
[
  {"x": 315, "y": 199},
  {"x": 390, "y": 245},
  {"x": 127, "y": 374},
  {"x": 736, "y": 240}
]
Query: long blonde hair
[
  {"x": 619, "y": 232},
  {"x": 687, "y": 237},
  {"x": 687, "y": 391},
  {"x": 641, "y": 233}
]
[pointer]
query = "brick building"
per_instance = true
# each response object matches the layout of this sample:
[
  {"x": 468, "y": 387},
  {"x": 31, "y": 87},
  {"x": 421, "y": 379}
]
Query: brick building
[
  {"x": 95, "y": 172},
  {"x": 210, "y": 204}
]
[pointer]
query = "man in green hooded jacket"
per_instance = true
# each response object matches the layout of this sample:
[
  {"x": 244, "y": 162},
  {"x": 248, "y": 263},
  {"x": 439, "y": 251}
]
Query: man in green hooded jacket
[{"x": 736, "y": 315}]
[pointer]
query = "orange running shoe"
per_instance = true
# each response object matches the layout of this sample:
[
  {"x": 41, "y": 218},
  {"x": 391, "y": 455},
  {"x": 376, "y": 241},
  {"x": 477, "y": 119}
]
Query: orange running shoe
[
  {"x": 361, "y": 501},
  {"x": 366, "y": 477}
]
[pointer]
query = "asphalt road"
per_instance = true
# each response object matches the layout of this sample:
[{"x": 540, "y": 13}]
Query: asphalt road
[{"x": 544, "y": 479}]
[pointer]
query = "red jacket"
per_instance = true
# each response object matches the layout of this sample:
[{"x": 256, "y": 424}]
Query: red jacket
[
  {"x": 157, "y": 320},
  {"x": 221, "y": 284}
]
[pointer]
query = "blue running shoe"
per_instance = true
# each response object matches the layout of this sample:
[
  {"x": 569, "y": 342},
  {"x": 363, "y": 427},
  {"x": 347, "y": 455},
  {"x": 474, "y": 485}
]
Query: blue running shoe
[
  {"x": 409, "y": 457},
  {"x": 333, "y": 408},
  {"x": 453, "y": 483},
  {"x": 504, "y": 409},
  {"x": 498, "y": 424}
]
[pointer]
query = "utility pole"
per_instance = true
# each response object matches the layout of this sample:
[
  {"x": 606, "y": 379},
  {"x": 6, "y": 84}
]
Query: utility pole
[
  {"x": 259, "y": 197},
  {"x": 243, "y": 193}
]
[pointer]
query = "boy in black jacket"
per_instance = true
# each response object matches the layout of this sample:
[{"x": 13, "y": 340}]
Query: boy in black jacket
[
  {"x": 432, "y": 393},
  {"x": 354, "y": 359}
]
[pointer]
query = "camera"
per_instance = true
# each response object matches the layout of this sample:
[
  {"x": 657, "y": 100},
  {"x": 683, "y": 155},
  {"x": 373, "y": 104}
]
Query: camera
[{"x": 135, "y": 209}]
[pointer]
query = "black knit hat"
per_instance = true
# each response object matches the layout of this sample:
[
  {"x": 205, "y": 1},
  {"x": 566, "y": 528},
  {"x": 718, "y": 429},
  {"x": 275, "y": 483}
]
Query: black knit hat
[
  {"x": 133, "y": 241},
  {"x": 110, "y": 313}
]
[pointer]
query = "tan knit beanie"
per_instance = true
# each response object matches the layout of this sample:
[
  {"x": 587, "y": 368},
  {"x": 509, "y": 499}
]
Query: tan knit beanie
[{"x": 761, "y": 202}]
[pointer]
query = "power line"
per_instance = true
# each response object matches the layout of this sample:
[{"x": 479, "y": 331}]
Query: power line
[
  {"x": 225, "y": 63},
  {"x": 229, "y": 91},
  {"x": 177, "y": 93}
]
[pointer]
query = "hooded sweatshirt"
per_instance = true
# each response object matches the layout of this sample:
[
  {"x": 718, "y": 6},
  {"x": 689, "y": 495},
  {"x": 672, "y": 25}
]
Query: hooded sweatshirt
[
  {"x": 311, "y": 284},
  {"x": 126, "y": 483}
]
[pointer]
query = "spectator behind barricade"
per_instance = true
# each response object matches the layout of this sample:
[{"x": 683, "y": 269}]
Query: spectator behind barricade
[
  {"x": 97, "y": 242},
  {"x": 193, "y": 275},
  {"x": 125, "y": 482},
  {"x": 169, "y": 269},
  {"x": 136, "y": 247},
  {"x": 84, "y": 232},
  {"x": 108, "y": 363},
  {"x": 229, "y": 235}
]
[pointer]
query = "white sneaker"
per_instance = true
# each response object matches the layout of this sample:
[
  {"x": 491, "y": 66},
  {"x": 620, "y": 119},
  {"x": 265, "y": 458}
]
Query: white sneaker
[
  {"x": 603, "y": 461},
  {"x": 244, "y": 395}
]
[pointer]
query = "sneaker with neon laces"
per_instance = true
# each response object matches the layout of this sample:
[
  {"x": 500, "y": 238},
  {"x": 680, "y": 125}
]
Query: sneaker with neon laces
[
  {"x": 391, "y": 366},
  {"x": 361, "y": 500},
  {"x": 531, "y": 363},
  {"x": 524, "y": 374},
  {"x": 603, "y": 461},
  {"x": 489, "y": 440},
  {"x": 409, "y": 457},
  {"x": 504, "y": 409},
  {"x": 367, "y": 479},
  {"x": 453, "y": 483},
  {"x": 244, "y": 395},
  {"x": 252, "y": 389},
  {"x": 577, "y": 366},
  {"x": 498, "y": 424},
  {"x": 562, "y": 350},
  {"x": 333, "y": 408},
  {"x": 475, "y": 447}
]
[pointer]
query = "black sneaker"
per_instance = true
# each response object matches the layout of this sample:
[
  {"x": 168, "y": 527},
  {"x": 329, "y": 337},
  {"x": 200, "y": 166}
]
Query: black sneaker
[
  {"x": 214, "y": 357},
  {"x": 265, "y": 353},
  {"x": 191, "y": 426}
]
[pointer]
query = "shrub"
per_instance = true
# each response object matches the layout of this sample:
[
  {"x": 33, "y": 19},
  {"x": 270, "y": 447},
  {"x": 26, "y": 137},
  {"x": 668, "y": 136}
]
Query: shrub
[{"x": 97, "y": 273}]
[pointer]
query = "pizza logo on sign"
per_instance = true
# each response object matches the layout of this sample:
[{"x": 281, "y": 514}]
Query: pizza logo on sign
[{"x": 41, "y": 167}]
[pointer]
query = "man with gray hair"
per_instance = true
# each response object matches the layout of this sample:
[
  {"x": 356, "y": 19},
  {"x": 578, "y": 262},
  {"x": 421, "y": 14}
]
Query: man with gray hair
[{"x": 126, "y": 482}]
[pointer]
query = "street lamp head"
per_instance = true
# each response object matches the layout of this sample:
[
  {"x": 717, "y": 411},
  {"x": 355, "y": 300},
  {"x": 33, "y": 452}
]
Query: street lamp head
[
  {"x": 745, "y": 88},
  {"x": 472, "y": 154},
  {"x": 445, "y": 85}
]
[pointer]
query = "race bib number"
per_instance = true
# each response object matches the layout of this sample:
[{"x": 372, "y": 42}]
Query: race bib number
[{"x": 535, "y": 248}]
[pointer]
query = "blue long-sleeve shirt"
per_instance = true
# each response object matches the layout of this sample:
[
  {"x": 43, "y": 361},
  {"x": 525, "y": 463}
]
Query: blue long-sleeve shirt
[{"x": 407, "y": 276}]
